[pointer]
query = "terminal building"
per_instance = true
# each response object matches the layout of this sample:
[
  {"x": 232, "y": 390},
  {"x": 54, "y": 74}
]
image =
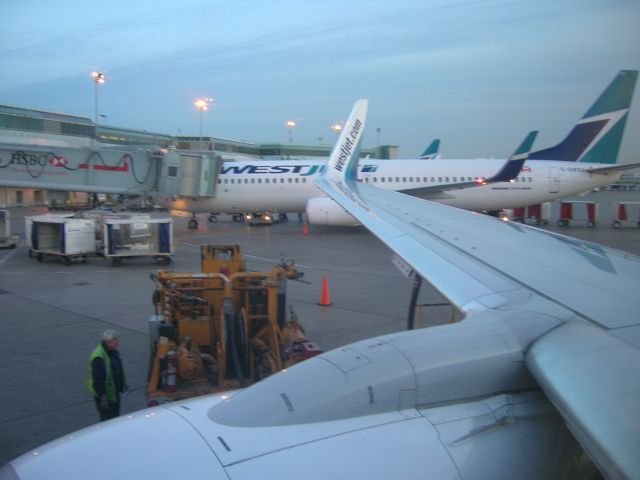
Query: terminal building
[{"x": 28, "y": 127}]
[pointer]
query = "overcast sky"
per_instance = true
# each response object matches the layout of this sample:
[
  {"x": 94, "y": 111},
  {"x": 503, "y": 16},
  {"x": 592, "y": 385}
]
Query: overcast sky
[{"x": 477, "y": 74}]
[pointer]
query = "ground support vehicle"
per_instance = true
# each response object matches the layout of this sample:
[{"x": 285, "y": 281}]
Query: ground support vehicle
[
  {"x": 6, "y": 239},
  {"x": 578, "y": 211},
  {"x": 627, "y": 213},
  {"x": 222, "y": 329},
  {"x": 70, "y": 239}
]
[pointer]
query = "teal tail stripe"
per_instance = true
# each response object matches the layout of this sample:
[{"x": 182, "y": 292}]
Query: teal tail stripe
[{"x": 617, "y": 96}]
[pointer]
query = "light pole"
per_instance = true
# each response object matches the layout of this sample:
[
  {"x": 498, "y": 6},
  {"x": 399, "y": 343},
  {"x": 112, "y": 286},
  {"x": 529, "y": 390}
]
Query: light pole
[
  {"x": 291, "y": 124},
  {"x": 202, "y": 104},
  {"x": 99, "y": 78},
  {"x": 378, "y": 130},
  {"x": 336, "y": 127}
]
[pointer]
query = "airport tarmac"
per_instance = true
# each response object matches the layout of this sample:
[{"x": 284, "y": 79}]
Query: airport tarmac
[{"x": 52, "y": 316}]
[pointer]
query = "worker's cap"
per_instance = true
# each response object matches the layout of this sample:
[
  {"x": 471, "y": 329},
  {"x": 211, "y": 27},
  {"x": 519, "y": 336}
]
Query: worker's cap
[{"x": 109, "y": 335}]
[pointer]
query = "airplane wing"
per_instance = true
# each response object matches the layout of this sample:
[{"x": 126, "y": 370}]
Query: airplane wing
[{"x": 589, "y": 363}]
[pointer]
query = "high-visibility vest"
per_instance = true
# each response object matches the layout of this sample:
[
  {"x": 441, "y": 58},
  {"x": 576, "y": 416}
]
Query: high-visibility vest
[{"x": 110, "y": 386}]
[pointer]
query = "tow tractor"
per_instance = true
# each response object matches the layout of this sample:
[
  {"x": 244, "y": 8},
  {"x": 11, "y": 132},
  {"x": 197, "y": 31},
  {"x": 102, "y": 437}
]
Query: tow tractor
[{"x": 222, "y": 329}]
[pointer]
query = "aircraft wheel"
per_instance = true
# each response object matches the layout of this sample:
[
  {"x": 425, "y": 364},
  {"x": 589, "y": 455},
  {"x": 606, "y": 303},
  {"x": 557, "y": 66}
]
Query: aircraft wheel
[
  {"x": 616, "y": 224},
  {"x": 66, "y": 260},
  {"x": 116, "y": 262},
  {"x": 39, "y": 257},
  {"x": 213, "y": 218},
  {"x": 193, "y": 224},
  {"x": 30, "y": 253},
  {"x": 591, "y": 224}
]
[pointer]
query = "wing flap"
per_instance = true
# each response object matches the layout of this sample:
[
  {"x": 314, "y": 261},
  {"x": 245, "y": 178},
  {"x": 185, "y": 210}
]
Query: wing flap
[{"x": 593, "y": 379}]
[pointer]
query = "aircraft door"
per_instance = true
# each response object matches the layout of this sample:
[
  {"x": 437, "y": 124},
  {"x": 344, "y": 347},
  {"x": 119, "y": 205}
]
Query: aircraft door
[{"x": 554, "y": 180}]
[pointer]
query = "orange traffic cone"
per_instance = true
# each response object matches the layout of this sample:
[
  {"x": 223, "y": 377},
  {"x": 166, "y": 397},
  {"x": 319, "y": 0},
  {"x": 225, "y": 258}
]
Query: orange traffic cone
[
  {"x": 305, "y": 229},
  {"x": 324, "y": 297}
]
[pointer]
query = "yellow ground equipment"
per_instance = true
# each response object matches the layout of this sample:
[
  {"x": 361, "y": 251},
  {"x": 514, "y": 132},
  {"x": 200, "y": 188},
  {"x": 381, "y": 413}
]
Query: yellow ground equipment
[{"x": 222, "y": 329}]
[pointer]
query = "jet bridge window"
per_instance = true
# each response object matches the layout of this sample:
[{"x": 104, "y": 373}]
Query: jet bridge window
[{"x": 172, "y": 171}]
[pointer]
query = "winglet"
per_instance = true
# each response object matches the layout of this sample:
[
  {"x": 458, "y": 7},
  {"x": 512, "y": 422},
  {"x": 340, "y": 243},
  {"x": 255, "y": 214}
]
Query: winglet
[
  {"x": 513, "y": 166},
  {"x": 343, "y": 162},
  {"x": 431, "y": 151}
]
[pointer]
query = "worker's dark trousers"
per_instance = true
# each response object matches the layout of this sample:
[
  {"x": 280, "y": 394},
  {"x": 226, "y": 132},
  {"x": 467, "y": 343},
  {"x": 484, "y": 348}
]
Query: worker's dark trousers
[{"x": 112, "y": 412}]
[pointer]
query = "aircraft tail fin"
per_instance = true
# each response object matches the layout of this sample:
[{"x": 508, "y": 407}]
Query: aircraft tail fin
[
  {"x": 596, "y": 138},
  {"x": 431, "y": 151}
]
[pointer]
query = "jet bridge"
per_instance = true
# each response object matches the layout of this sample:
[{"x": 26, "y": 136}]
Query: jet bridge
[{"x": 110, "y": 170}]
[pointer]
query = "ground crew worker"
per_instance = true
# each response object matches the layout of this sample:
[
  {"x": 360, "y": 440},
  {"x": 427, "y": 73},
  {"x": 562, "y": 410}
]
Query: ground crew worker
[{"x": 106, "y": 380}]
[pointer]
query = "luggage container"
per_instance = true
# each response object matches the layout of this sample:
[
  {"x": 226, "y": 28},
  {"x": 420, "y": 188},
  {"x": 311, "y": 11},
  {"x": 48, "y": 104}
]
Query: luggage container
[
  {"x": 70, "y": 239},
  {"x": 627, "y": 213},
  {"x": 6, "y": 239},
  {"x": 137, "y": 237},
  {"x": 578, "y": 211}
]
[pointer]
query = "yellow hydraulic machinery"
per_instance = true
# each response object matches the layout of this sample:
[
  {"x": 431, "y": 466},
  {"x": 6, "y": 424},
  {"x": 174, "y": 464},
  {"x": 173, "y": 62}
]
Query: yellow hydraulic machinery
[{"x": 222, "y": 329}]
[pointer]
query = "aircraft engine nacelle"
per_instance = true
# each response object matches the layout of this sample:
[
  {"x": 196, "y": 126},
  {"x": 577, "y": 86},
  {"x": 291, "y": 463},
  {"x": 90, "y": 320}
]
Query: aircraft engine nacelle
[{"x": 325, "y": 211}]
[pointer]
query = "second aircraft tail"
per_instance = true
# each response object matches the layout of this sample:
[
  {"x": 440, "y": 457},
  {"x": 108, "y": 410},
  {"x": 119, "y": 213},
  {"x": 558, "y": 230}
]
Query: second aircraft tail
[{"x": 596, "y": 138}]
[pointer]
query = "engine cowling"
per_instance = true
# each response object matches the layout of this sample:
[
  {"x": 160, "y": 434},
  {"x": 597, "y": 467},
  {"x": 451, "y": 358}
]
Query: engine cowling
[{"x": 325, "y": 211}]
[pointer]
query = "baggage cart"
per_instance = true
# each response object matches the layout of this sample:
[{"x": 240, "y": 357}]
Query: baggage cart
[
  {"x": 140, "y": 236},
  {"x": 538, "y": 213},
  {"x": 578, "y": 211},
  {"x": 70, "y": 239},
  {"x": 627, "y": 213},
  {"x": 6, "y": 239}
]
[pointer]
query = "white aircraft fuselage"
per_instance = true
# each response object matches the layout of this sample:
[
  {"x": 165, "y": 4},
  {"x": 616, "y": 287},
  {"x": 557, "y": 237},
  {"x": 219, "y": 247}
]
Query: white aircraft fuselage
[{"x": 286, "y": 186}]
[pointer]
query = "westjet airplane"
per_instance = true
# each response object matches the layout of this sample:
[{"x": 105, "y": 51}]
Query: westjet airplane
[
  {"x": 544, "y": 367},
  {"x": 584, "y": 160}
]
